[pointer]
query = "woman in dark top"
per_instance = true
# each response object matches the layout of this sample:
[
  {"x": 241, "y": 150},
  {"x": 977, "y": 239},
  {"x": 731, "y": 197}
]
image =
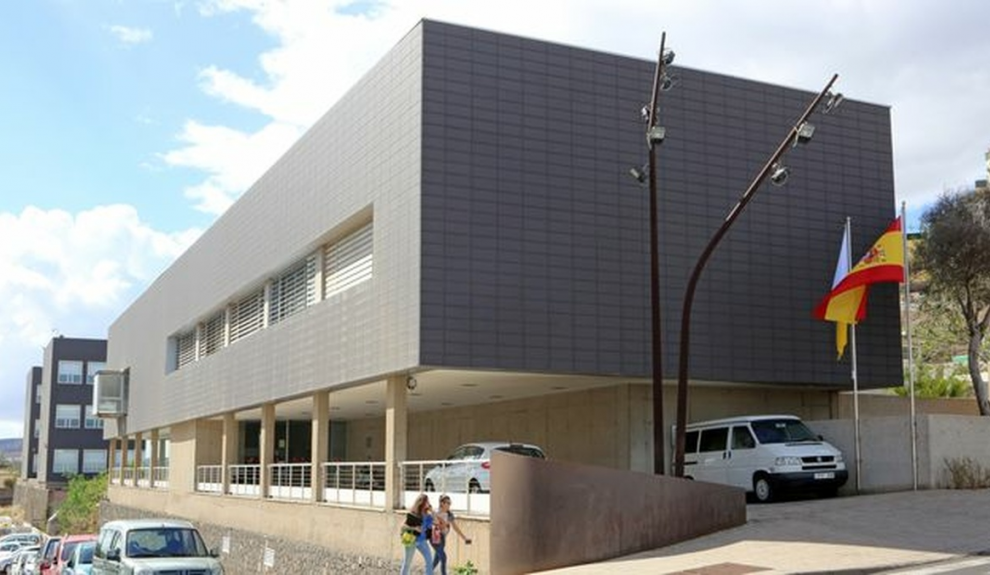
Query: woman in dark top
[{"x": 418, "y": 522}]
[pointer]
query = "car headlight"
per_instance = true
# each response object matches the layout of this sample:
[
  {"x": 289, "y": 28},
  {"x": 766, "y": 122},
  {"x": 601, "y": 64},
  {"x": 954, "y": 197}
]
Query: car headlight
[
  {"x": 788, "y": 461},
  {"x": 838, "y": 458},
  {"x": 144, "y": 571}
]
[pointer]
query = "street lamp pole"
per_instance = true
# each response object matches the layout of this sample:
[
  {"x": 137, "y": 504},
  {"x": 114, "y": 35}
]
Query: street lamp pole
[
  {"x": 796, "y": 134},
  {"x": 654, "y": 136}
]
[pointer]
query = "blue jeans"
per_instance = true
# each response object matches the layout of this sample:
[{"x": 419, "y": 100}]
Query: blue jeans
[
  {"x": 441, "y": 555},
  {"x": 424, "y": 549}
]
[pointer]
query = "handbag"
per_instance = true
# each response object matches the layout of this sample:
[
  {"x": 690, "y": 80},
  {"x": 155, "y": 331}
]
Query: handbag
[{"x": 436, "y": 535}]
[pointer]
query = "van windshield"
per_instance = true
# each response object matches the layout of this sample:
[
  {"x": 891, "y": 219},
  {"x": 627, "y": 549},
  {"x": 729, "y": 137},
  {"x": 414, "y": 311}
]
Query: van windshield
[{"x": 782, "y": 431}]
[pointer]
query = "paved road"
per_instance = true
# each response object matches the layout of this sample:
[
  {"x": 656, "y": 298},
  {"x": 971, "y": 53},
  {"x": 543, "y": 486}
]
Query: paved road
[{"x": 849, "y": 535}]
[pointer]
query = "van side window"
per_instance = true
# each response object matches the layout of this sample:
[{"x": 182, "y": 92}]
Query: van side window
[
  {"x": 691, "y": 442},
  {"x": 742, "y": 438},
  {"x": 714, "y": 439}
]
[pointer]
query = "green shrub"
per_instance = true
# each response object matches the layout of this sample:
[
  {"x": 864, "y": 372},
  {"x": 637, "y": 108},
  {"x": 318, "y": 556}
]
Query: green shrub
[{"x": 466, "y": 569}]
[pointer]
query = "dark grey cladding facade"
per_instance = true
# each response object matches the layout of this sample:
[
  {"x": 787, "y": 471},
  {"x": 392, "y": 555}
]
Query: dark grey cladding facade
[{"x": 535, "y": 244}]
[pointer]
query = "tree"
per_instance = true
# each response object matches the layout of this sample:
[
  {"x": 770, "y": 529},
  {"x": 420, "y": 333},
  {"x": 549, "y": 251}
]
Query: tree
[{"x": 953, "y": 253}]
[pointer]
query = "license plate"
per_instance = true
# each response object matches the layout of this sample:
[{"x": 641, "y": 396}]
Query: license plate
[{"x": 827, "y": 475}]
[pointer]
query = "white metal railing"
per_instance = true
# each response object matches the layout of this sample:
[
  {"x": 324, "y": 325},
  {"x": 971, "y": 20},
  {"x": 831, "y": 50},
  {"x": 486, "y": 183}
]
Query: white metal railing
[
  {"x": 245, "y": 479},
  {"x": 209, "y": 478},
  {"x": 354, "y": 483},
  {"x": 290, "y": 481},
  {"x": 127, "y": 476},
  {"x": 466, "y": 481},
  {"x": 142, "y": 476},
  {"x": 115, "y": 476},
  {"x": 159, "y": 477}
]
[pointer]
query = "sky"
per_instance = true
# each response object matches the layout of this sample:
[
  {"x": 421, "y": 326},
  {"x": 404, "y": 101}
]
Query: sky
[{"x": 127, "y": 127}]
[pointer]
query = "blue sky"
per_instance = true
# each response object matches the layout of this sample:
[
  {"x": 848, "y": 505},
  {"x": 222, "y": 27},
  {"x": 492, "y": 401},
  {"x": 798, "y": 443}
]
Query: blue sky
[{"x": 128, "y": 126}]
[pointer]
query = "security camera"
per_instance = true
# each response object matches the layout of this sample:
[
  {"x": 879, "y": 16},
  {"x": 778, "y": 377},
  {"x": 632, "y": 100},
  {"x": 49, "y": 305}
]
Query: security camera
[{"x": 411, "y": 383}]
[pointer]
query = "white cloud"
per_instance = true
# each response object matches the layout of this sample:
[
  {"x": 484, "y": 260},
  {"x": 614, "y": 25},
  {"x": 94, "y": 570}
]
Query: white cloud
[
  {"x": 926, "y": 62},
  {"x": 232, "y": 159},
  {"x": 131, "y": 36},
  {"x": 70, "y": 273}
]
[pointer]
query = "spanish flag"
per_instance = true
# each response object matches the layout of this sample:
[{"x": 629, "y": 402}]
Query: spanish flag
[{"x": 846, "y": 303}]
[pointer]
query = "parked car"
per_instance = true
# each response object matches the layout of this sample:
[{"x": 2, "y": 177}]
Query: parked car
[
  {"x": 49, "y": 551},
  {"x": 468, "y": 467},
  {"x": 23, "y": 537},
  {"x": 25, "y": 561},
  {"x": 68, "y": 546},
  {"x": 153, "y": 546},
  {"x": 8, "y": 552},
  {"x": 81, "y": 560},
  {"x": 763, "y": 454}
]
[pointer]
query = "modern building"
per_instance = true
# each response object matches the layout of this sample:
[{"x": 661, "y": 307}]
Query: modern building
[
  {"x": 62, "y": 436},
  {"x": 455, "y": 252}
]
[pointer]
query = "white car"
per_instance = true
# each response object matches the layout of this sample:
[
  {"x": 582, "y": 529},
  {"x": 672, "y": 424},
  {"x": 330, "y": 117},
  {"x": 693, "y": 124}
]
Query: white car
[
  {"x": 153, "y": 546},
  {"x": 468, "y": 468}
]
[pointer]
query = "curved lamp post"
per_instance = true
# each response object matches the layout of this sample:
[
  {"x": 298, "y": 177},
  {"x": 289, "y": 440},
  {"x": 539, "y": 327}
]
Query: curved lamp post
[{"x": 800, "y": 133}]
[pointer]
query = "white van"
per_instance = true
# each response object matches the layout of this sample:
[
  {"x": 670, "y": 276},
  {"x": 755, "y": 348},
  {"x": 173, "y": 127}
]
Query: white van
[{"x": 763, "y": 454}]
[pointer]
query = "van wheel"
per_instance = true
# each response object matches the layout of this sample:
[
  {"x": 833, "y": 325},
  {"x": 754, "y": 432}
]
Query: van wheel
[{"x": 762, "y": 488}]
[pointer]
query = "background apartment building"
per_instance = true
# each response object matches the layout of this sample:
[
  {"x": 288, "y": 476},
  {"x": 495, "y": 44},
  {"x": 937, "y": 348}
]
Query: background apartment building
[{"x": 62, "y": 436}]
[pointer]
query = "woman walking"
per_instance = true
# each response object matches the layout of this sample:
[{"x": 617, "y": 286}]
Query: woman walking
[
  {"x": 416, "y": 528},
  {"x": 443, "y": 521}
]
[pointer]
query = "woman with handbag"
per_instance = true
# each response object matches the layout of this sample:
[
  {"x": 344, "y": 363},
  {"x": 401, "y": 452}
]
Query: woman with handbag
[
  {"x": 416, "y": 532},
  {"x": 443, "y": 520}
]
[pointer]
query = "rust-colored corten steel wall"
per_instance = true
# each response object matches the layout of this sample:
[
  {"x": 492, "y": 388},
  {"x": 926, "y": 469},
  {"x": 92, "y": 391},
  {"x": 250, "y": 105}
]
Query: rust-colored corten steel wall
[{"x": 547, "y": 514}]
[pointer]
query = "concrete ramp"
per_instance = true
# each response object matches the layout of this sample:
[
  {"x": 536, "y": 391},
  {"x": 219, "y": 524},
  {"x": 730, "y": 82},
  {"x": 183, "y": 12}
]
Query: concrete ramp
[{"x": 547, "y": 514}]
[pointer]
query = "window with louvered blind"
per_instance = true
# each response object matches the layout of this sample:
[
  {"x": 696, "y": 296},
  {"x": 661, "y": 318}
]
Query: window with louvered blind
[
  {"x": 293, "y": 290},
  {"x": 185, "y": 349},
  {"x": 348, "y": 261},
  {"x": 247, "y": 316},
  {"x": 212, "y": 340}
]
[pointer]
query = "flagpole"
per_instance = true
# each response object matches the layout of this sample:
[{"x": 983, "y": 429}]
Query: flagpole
[
  {"x": 910, "y": 349},
  {"x": 855, "y": 375}
]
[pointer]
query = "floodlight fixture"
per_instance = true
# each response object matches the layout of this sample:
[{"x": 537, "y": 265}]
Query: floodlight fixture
[
  {"x": 779, "y": 173},
  {"x": 834, "y": 99},
  {"x": 804, "y": 133},
  {"x": 668, "y": 57},
  {"x": 655, "y": 135},
  {"x": 644, "y": 113},
  {"x": 667, "y": 82},
  {"x": 639, "y": 174}
]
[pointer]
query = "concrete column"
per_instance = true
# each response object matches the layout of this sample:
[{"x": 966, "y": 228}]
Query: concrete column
[
  {"x": 124, "y": 449},
  {"x": 396, "y": 440},
  {"x": 138, "y": 455},
  {"x": 228, "y": 449},
  {"x": 154, "y": 456},
  {"x": 112, "y": 454},
  {"x": 320, "y": 442},
  {"x": 266, "y": 444}
]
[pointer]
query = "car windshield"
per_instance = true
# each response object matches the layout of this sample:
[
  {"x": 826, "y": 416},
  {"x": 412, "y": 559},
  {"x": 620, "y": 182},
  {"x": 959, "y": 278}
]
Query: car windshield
[
  {"x": 522, "y": 450},
  {"x": 67, "y": 550},
  {"x": 86, "y": 553},
  {"x": 782, "y": 431},
  {"x": 165, "y": 542}
]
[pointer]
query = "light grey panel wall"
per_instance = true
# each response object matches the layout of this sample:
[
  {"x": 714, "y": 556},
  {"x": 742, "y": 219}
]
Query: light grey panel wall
[
  {"x": 536, "y": 245},
  {"x": 365, "y": 152}
]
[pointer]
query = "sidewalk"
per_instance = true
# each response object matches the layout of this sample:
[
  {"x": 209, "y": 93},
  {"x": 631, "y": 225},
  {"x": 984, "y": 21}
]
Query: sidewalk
[{"x": 862, "y": 534}]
